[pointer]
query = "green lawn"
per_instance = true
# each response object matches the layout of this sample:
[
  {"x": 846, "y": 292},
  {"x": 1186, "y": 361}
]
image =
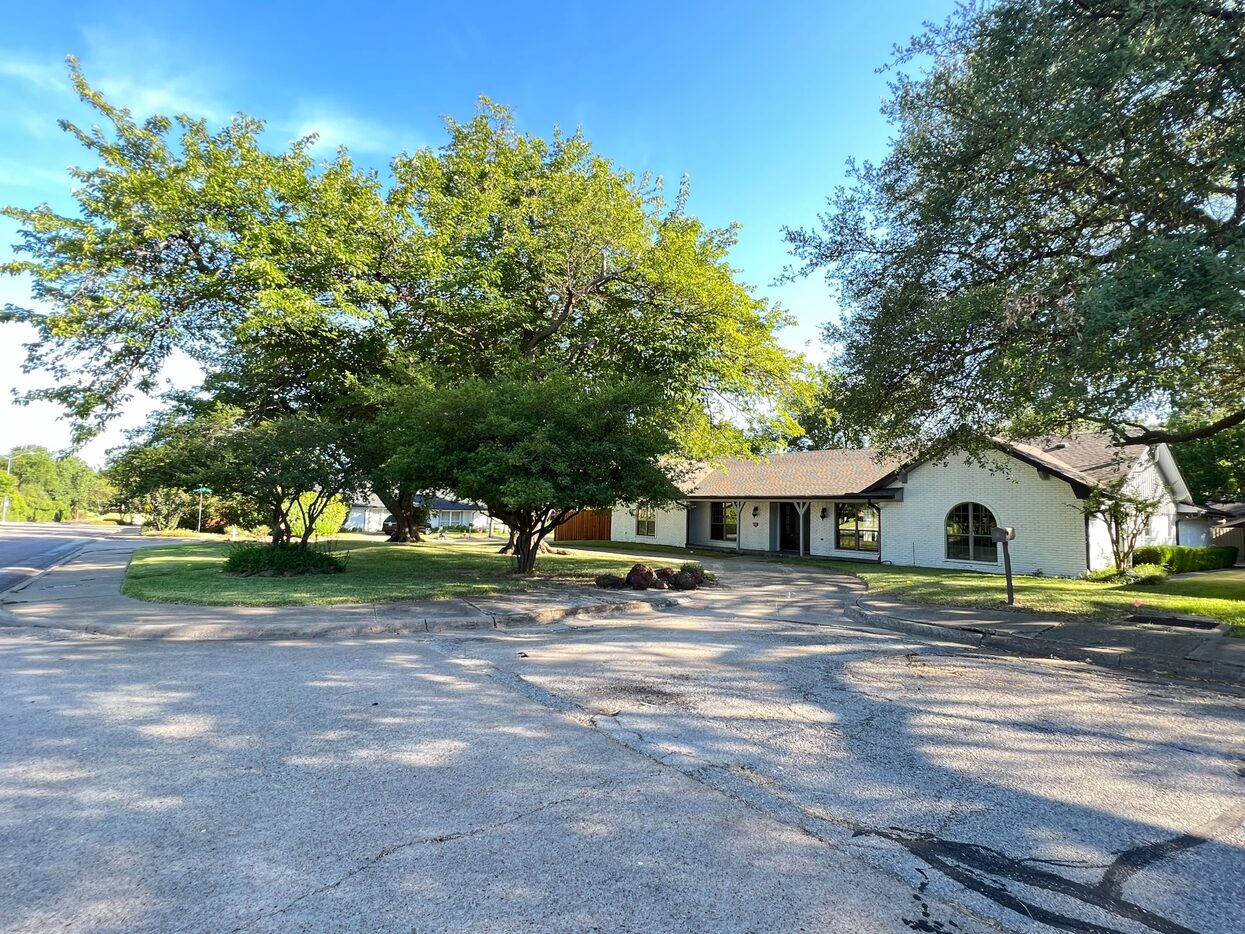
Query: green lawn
[
  {"x": 1223, "y": 600},
  {"x": 375, "y": 571},
  {"x": 1218, "y": 594}
]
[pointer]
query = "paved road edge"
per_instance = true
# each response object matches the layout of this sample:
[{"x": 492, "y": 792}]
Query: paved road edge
[{"x": 1162, "y": 665}]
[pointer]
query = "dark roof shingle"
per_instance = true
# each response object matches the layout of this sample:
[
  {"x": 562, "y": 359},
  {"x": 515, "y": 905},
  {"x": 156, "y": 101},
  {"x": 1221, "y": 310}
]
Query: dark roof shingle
[{"x": 795, "y": 475}]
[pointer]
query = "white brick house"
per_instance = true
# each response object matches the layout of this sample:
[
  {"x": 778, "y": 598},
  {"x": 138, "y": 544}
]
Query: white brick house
[{"x": 850, "y": 504}]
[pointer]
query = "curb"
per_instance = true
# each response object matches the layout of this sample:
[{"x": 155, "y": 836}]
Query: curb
[
  {"x": 207, "y": 632},
  {"x": 1104, "y": 657}
]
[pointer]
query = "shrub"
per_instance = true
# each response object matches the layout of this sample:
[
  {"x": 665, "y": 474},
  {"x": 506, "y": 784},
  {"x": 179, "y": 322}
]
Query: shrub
[
  {"x": 1137, "y": 574},
  {"x": 1147, "y": 574},
  {"x": 271, "y": 560},
  {"x": 696, "y": 569},
  {"x": 328, "y": 523},
  {"x": 1181, "y": 558},
  {"x": 1108, "y": 575},
  {"x": 171, "y": 533}
]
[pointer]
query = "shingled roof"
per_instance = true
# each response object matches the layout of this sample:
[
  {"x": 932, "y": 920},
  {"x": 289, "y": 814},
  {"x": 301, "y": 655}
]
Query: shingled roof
[
  {"x": 1095, "y": 455},
  {"x": 795, "y": 475},
  {"x": 1085, "y": 460}
]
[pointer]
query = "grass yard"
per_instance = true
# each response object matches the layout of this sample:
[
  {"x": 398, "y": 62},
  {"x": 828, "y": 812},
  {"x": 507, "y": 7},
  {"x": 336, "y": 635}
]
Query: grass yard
[
  {"x": 1223, "y": 600},
  {"x": 1217, "y": 594},
  {"x": 375, "y": 572}
]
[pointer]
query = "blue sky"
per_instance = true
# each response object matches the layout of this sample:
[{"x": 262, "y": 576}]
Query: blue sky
[{"x": 760, "y": 104}]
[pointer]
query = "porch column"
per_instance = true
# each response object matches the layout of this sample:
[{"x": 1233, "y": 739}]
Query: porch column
[
  {"x": 801, "y": 509},
  {"x": 739, "y": 522}
]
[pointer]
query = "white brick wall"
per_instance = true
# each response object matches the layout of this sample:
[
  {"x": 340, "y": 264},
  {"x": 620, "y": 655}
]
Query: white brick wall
[
  {"x": 1051, "y": 534},
  {"x": 1050, "y": 527},
  {"x": 671, "y": 526},
  {"x": 754, "y": 531}
]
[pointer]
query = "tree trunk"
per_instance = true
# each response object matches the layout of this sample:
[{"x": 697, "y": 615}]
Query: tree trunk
[
  {"x": 401, "y": 506},
  {"x": 526, "y": 547},
  {"x": 280, "y": 526}
]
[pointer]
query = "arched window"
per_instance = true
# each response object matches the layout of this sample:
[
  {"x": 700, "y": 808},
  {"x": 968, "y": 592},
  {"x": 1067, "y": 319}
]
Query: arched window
[{"x": 968, "y": 533}]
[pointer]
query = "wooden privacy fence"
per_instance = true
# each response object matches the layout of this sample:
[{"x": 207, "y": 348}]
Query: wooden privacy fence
[{"x": 587, "y": 525}]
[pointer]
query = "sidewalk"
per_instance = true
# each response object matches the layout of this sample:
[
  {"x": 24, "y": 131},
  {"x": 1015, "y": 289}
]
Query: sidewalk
[
  {"x": 1211, "y": 655},
  {"x": 84, "y": 595}
]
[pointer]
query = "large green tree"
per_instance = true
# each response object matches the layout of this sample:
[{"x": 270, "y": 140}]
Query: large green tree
[
  {"x": 311, "y": 291},
  {"x": 1056, "y": 238},
  {"x": 192, "y": 241}
]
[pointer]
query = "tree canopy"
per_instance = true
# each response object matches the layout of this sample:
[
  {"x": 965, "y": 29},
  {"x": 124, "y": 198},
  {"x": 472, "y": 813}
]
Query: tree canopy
[
  {"x": 42, "y": 486},
  {"x": 1056, "y": 238},
  {"x": 314, "y": 294}
]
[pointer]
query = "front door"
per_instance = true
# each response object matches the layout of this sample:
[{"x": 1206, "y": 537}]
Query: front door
[{"x": 789, "y": 527}]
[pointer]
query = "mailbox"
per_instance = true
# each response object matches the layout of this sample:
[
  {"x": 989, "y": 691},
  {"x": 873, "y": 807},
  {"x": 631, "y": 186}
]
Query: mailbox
[{"x": 1002, "y": 535}]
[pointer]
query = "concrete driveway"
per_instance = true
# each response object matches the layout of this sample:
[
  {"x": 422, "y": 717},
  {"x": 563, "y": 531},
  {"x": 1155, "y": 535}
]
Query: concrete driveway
[{"x": 718, "y": 767}]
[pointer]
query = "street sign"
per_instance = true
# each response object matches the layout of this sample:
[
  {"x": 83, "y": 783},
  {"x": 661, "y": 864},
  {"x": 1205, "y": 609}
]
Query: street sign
[{"x": 201, "y": 490}]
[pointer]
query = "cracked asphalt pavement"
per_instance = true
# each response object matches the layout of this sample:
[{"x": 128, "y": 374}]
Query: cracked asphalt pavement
[{"x": 693, "y": 770}]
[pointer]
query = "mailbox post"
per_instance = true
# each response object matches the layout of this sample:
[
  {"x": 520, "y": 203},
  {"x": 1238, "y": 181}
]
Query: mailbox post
[{"x": 1002, "y": 537}]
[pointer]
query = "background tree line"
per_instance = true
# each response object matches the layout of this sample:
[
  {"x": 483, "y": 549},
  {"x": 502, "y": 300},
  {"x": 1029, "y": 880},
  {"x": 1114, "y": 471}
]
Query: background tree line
[{"x": 43, "y": 487}]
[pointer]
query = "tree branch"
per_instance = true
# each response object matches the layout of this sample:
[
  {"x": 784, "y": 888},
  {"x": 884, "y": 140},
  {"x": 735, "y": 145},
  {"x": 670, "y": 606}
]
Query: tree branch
[{"x": 1163, "y": 436}]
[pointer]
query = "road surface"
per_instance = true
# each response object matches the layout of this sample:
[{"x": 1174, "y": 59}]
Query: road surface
[
  {"x": 28, "y": 548},
  {"x": 708, "y": 769}
]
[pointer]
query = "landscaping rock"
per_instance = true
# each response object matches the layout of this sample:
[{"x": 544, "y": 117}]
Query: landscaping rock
[
  {"x": 664, "y": 574},
  {"x": 641, "y": 577},
  {"x": 696, "y": 574},
  {"x": 686, "y": 580},
  {"x": 660, "y": 584},
  {"x": 611, "y": 582}
]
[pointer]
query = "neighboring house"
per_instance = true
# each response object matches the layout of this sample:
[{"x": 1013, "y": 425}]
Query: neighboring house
[
  {"x": 849, "y": 504},
  {"x": 447, "y": 513},
  {"x": 368, "y": 515},
  {"x": 1227, "y": 526}
]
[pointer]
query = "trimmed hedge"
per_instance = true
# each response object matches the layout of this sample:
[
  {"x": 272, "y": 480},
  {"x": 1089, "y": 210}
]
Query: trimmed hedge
[
  {"x": 246, "y": 560},
  {"x": 1181, "y": 558}
]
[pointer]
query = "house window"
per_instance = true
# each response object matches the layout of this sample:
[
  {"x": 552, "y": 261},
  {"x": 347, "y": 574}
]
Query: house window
[
  {"x": 646, "y": 522},
  {"x": 856, "y": 527},
  {"x": 723, "y": 522},
  {"x": 968, "y": 534}
]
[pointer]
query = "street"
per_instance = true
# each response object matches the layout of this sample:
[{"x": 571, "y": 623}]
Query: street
[
  {"x": 703, "y": 769},
  {"x": 26, "y": 548}
]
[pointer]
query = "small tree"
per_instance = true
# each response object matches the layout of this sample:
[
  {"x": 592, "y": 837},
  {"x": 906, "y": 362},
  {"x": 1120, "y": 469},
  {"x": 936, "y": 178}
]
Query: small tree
[
  {"x": 289, "y": 467},
  {"x": 533, "y": 453},
  {"x": 1125, "y": 515}
]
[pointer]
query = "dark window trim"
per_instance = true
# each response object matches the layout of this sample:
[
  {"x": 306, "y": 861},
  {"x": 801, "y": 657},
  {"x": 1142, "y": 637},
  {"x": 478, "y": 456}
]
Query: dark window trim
[
  {"x": 970, "y": 535},
  {"x": 870, "y": 532},
  {"x": 720, "y": 529},
  {"x": 646, "y": 522}
]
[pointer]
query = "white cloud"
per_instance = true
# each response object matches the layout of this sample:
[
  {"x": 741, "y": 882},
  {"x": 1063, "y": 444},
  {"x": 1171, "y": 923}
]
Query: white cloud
[
  {"x": 148, "y": 74},
  {"x": 44, "y": 75},
  {"x": 336, "y": 128}
]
